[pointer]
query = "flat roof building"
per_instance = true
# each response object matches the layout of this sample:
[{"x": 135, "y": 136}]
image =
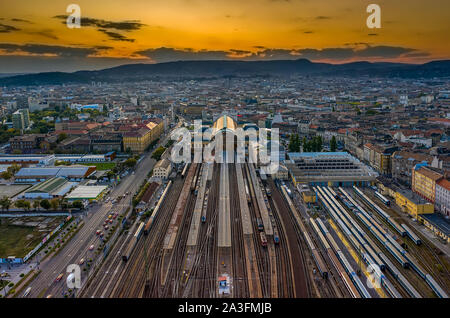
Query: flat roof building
[
  {"x": 86, "y": 193},
  {"x": 37, "y": 174},
  {"x": 51, "y": 188},
  {"x": 329, "y": 168}
]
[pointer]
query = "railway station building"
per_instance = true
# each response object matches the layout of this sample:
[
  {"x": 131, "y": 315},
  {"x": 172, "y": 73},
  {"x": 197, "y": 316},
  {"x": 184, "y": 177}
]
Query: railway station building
[{"x": 329, "y": 169}]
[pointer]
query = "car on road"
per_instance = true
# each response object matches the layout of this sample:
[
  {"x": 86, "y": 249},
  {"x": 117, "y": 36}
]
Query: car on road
[
  {"x": 115, "y": 216},
  {"x": 81, "y": 262},
  {"x": 59, "y": 277},
  {"x": 110, "y": 221},
  {"x": 91, "y": 247},
  {"x": 49, "y": 296},
  {"x": 110, "y": 216},
  {"x": 98, "y": 232},
  {"x": 106, "y": 227}
]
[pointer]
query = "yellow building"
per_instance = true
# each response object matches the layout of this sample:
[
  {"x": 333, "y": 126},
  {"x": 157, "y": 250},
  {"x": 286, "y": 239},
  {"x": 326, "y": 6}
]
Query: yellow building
[
  {"x": 412, "y": 204},
  {"x": 139, "y": 140},
  {"x": 424, "y": 182}
]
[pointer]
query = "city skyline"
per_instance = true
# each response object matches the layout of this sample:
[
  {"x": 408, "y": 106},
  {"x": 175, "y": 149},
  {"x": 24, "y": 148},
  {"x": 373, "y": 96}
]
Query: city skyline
[{"x": 34, "y": 37}]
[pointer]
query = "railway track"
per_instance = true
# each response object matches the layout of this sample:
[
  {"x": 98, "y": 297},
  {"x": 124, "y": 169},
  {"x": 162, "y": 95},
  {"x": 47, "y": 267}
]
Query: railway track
[
  {"x": 240, "y": 281},
  {"x": 297, "y": 246},
  {"x": 284, "y": 281},
  {"x": 261, "y": 256},
  {"x": 132, "y": 281}
]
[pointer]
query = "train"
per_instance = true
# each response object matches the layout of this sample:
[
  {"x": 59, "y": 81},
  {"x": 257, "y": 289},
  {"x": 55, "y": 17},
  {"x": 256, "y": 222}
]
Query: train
[
  {"x": 383, "y": 214},
  {"x": 351, "y": 287},
  {"x": 403, "y": 257},
  {"x": 317, "y": 258},
  {"x": 260, "y": 224},
  {"x": 436, "y": 288},
  {"x": 351, "y": 229},
  {"x": 205, "y": 205},
  {"x": 263, "y": 239},
  {"x": 269, "y": 193},
  {"x": 276, "y": 236},
  {"x": 382, "y": 198},
  {"x": 411, "y": 235},
  {"x": 193, "y": 183},
  {"x": 401, "y": 279},
  {"x": 380, "y": 234},
  {"x": 156, "y": 210},
  {"x": 183, "y": 174},
  {"x": 133, "y": 242},
  {"x": 247, "y": 194}
]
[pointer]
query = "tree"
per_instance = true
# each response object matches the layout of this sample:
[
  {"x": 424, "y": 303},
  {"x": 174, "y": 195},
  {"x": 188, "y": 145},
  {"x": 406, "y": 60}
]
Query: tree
[
  {"x": 333, "y": 144},
  {"x": 61, "y": 137},
  {"x": 36, "y": 204},
  {"x": 6, "y": 175},
  {"x": 305, "y": 145},
  {"x": 158, "y": 153},
  {"x": 45, "y": 204},
  {"x": 54, "y": 203},
  {"x": 130, "y": 162},
  {"x": 294, "y": 143},
  {"x": 77, "y": 204},
  {"x": 5, "y": 203}
]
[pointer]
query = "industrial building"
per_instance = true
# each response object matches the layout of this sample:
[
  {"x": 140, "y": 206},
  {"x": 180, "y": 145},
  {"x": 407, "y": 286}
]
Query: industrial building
[
  {"x": 329, "y": 169},
  {"x": 49, "y": 189},
  {"x": 38, "y": 174},
  {"x": 86, "y": 193}
]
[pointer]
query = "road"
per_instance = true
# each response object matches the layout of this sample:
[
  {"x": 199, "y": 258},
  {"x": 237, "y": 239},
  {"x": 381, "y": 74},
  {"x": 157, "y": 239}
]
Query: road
[{"x": 77, "y": 248}]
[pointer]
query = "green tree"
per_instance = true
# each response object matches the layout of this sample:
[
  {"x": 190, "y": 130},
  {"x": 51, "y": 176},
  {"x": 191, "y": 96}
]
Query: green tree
[
  {"x": 77, "y": 204},
  {"x": 130, "y": 162},
  {"x": 158, "y": 153},
  {"x": 23, "y": 204},
  {"x": 6, "y": 175},
  {"x": 5, "y": 203},
  {"x": 45, "y": 204},
  {"x": 36, "y": 204},
  {"x": 333, "y": 144},
  {"x": 54, "y": 203}
]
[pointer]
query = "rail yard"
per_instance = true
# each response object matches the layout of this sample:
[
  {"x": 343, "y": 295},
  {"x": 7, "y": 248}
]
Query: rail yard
[{"x": 221, "y": 230}]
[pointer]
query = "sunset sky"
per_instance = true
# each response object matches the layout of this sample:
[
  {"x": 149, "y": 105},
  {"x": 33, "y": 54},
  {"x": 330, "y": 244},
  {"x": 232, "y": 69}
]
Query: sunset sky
[{"x": 34, "y": 37}]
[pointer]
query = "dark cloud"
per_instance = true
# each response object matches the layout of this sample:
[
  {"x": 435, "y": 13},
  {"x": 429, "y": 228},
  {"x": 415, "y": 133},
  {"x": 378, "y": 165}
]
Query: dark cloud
[
  {"x": 21, "y": 20},
  {"x": 383, "y": 51},
  {"x": 164, "y": 54},
  {"x": 45, "y": 33},
  {"x": 322, "y": 17},
  {"x": 372, "y": 34},
  {"x": 42, "y": 49},
  {"x": 127, "y": 26},
  {"x": 4, "y": 28},
  {"x": 327, "y": 53},
  {"x": 116, "y": 36},
  {"x": 308, "y": 32}
]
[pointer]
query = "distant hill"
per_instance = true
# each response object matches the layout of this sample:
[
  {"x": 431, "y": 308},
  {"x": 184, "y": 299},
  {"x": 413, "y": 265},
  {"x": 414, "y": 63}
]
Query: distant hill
[{"x": 211, "y": 69}]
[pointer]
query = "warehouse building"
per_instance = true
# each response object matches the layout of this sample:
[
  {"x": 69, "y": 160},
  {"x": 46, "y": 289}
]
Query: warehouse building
[
  {"x": 49, "y": 189},
  {"x": 329, "y": 169},
  {"x": 86, "y": 193},
  {"x": 38, "y": 174}
]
